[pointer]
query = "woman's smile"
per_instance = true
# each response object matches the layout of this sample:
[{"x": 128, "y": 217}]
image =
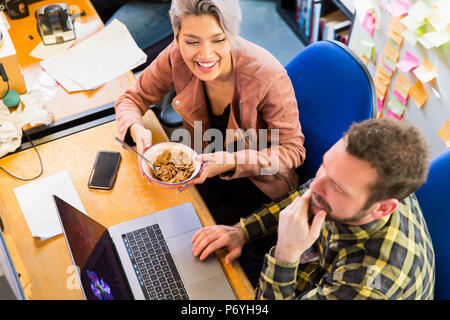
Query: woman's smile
[{"x": 206, "y": 67}]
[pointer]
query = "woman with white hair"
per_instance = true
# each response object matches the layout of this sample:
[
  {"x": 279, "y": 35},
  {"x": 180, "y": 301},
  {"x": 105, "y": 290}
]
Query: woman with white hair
[{"x": 226, "y": 83}]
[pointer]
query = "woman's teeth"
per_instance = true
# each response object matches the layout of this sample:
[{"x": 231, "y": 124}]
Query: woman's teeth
[{"x": 207, "y": 65}]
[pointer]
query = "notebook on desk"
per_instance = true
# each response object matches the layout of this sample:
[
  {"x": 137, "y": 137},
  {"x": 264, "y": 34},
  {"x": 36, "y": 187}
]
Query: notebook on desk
[{"x": 144, "y": 258}]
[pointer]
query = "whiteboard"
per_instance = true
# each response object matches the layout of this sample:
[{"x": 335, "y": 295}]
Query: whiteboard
[{"x": 434, "y": 112}]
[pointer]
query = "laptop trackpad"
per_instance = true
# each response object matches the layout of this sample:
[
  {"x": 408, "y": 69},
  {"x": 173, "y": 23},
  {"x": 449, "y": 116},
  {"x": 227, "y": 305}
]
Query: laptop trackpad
[{"x": 191, "y": 269}]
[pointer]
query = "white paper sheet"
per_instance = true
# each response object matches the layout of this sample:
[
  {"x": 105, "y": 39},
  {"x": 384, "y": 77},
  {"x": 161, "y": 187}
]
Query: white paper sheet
[
  {"x": 102, "y": 57},
  {"x": 35, "y": 200},
  {"x": 41, "y": 51}
]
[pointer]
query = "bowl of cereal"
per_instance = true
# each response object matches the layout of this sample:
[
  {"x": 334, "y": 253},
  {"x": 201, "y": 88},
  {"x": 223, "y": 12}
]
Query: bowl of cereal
[{"x": 175, "y": 164}]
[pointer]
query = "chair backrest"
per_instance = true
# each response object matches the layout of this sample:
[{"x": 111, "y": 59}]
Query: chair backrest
[
  {"x": 333, "y": 89},
  {"x": 434, "y": 200}
]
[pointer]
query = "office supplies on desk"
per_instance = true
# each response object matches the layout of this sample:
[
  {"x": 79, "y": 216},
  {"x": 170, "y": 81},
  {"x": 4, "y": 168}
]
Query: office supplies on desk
[
  {"x": 35, "y": 200},
  {"x": 15, "y": 9},
  {"x": 102, "y": 57},
  {"x": 10, "y": 61},
  {"x": 146, "y": 258},
  {"x": 10, "y": 98},
  {"x": 55, "y": 24}
]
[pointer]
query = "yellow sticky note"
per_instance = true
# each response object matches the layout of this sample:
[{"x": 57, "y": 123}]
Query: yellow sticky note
[
  {"x": 402, "y": 85},
  {"x": 444, "y": 133},
  {"x": 396, "y": 25},
  {"x": 419, "y": 94},
  {"x": 363, "y": 58},
  {"x": 397, "y": 38},
  {"x": 429, "y": 65},
  {"x": 381, "y": 90},
  {"x": 383, "y": 74},
  {"x": 391, "y": 52}
]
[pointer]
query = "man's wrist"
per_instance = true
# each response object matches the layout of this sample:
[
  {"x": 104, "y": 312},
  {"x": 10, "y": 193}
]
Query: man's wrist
[
  {"x": 241, "y": 233},
  {"x": 286, "y": 256}
]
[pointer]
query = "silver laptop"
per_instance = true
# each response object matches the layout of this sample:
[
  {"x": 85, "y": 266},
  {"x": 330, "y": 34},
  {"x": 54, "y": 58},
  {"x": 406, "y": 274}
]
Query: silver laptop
[{"x": 145, "y": 258}]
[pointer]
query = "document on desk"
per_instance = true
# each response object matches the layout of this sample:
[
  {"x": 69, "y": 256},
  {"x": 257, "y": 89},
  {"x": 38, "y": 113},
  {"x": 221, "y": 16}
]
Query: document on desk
[
  {"x": 100, "y": 58},
  {"x": 35, "y": 200}
]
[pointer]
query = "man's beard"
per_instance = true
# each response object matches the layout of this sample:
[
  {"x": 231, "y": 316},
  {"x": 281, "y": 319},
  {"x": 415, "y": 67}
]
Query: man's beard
[{"x": 317, "y": 203}]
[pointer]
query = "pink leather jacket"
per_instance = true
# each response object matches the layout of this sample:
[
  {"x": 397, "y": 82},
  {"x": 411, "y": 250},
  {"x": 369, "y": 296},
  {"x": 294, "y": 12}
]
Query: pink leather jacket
[{"x": 263, "y": 99}]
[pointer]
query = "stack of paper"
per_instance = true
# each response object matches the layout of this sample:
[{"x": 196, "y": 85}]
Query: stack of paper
[
  {"x": 36, "y": 201},
  {"x": 104, "y": 56}
]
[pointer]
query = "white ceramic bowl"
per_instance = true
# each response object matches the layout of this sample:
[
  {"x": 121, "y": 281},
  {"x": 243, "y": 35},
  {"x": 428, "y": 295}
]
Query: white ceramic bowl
[{"x": 157, "y": 149}]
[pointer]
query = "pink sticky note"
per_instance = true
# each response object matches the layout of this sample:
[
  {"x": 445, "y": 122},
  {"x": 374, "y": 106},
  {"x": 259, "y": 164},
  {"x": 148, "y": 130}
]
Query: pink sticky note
[
  {"x": 399, "y": 96},
  {"x": 369, "y": 23},
  {"x": 409, "y": 62},
  {"x": 380, "y": 105},
  {"x": 390, "y": 114},
  {"x": 397, "y": 8}
]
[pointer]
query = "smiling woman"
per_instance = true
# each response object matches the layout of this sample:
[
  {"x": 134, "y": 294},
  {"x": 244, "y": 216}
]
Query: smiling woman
[{"x": 230, "y": 85}]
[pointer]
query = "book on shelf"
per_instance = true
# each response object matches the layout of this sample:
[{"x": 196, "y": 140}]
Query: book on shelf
[
  {"x": 333, "y": 23},
  {"x": 298, "y": 5},
  {"x": 309, "y": 8},
  {"x": 302, "y": 10},
  {"x": 321, "y": 20},
  {"x": 342, "y": 36},
  {"x": 315, "y": 19}
]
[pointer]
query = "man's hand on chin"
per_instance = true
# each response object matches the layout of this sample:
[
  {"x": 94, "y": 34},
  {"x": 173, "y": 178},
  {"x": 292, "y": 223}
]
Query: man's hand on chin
[{"x": 295, "y": 235}]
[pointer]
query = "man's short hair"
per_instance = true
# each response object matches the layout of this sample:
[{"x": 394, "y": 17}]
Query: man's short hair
[{"x": 396, "y": 149}]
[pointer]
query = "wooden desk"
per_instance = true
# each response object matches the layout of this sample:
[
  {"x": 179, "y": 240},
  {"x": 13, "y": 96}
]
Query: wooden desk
[
  {"x": 64, "y": 104},
  {"x": 48, "y": 262}
]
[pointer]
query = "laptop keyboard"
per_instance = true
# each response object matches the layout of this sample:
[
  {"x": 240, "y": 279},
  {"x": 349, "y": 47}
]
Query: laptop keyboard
[{"x": 153, "y": 264}]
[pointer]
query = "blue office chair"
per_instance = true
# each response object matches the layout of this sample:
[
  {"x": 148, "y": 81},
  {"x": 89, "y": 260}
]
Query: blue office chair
[
  {"x": 333, "y": 89},
  {"x": 434, "y": 200}
]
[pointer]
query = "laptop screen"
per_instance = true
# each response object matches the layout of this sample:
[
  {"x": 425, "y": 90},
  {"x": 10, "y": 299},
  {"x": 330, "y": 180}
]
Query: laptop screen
[{"x": 93, "y": 254}]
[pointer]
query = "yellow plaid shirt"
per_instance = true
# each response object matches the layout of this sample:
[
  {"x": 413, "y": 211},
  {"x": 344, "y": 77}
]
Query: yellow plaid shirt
[{"x": 390, "y": 258}]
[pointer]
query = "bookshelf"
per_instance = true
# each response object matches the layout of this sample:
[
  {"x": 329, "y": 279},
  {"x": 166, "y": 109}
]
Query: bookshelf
[{"x": 287, "y": 9}]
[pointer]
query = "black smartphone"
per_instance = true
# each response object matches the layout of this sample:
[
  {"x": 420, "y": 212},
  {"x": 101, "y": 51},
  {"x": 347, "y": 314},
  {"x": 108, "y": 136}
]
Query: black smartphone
[{"x": 105, "y": 168}]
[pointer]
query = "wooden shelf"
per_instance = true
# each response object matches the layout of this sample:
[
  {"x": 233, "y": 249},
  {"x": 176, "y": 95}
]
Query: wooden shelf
[
  {"x": 286, "y": 9},
  {"x": 343, "y": 8}
]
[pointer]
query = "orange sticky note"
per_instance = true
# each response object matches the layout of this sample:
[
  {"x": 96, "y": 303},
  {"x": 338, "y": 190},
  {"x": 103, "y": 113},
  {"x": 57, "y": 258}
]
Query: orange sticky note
[
  {"x": 391, "y": 52},
  {"x": 384, "y": 75},
  {"x": 427, "y": 64},
  {"x": 396, "y": 25},
  {"x": 363, "y": 58},
  {"x": 419, "y": 93},
  {"x": 381, "y": 90},
  {"x": 444, "y": 133},
  {"x": 402, "y": 85},
  {"x": 397, "y": 38}
]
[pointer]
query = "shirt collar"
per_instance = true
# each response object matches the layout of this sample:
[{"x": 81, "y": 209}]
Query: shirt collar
[{"x": 364, "y": 231}]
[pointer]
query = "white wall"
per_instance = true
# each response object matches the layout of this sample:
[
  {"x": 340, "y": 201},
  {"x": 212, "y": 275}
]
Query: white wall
[{"x": 433, "y": 114}]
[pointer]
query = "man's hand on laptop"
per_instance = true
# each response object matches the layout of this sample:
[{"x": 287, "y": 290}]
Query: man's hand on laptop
[{"x": 208, "y": 239}]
